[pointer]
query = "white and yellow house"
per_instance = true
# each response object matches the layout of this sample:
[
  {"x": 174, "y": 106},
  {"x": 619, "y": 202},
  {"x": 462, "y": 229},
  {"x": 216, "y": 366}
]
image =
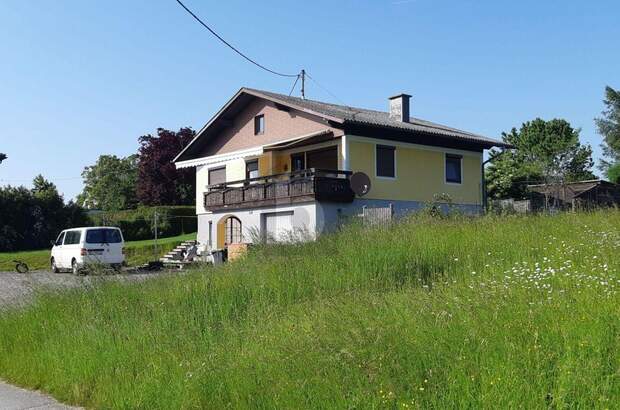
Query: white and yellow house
[{"x": 270, "y": 165}]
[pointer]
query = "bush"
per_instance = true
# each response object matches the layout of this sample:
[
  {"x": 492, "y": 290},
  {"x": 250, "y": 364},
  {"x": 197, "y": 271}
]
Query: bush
[
  {"x": 30, "y": 219},
  {"x": 139, "y": 224}
]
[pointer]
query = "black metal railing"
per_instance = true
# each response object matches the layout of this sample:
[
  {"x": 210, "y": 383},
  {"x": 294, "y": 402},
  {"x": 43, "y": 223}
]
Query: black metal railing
[{"x": 317, "y": 184}]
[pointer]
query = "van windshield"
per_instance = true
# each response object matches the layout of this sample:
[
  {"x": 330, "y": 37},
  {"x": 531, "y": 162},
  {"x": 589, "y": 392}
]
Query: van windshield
[{"x": 103, "y": 236}]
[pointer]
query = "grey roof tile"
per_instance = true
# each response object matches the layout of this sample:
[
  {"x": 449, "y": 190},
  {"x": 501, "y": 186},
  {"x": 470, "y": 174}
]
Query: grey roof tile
[{"x": 378, "y": 118}]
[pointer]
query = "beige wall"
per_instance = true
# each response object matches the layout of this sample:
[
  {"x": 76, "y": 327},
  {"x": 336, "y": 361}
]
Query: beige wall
[
  {"x": 235, "y": 170},
  {"x": 279, "y": 125},
  {"x": 419, "y": 173}
]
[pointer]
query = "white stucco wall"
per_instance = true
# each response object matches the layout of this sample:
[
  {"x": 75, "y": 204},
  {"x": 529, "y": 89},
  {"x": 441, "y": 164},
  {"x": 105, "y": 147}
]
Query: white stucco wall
[
  {"x": 235, "y": 170},
  {"x": 303, "y": 220},
  {"x": 202, "y": 180}
]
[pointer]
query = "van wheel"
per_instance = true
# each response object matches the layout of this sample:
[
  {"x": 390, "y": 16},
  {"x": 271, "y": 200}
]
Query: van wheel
[
  {"x": 53, "y": 266},
  {"x": 74, "y": 267}
]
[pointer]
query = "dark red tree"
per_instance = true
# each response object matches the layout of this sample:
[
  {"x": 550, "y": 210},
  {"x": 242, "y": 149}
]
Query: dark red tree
[{"x": 159, "y": 182}]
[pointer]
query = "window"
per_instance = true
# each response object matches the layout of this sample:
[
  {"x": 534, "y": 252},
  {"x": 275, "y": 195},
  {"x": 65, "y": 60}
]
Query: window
[
  {"x": 259, "y": 124},
  {"x": 59, "y": 239},
  {"x": 298, "y": 162},
  {"x": 103, "y": 236},
  {"x": 217, "y": 176},
  {"x": 453, "y": 169},
  {"x": 386, "y": 161},
  {"x": 251, "y": 169},
  {"x": 326, "y": 158},
  {"x": 210, "y": 235},
  {"x": 233, "y": 231},
  {"x": 73, "y": 237}
]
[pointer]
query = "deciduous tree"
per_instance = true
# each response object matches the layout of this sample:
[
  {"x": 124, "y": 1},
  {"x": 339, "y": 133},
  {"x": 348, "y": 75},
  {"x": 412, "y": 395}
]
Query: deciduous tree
[
  {"x": 110, "y": 184},
  {"x": 545, "y": 151},
  {"x": 608, "y": 127},
  {"x": 2, "y": 157},
  {"x": 159, "y": 182}
]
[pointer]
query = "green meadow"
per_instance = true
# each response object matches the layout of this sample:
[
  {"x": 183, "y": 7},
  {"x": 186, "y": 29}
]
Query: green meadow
[{"x": 492, "y": 312}]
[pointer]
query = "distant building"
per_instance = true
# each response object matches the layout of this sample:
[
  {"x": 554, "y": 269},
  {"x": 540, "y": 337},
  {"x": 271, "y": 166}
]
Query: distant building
[{"x": 574, "y": 195}]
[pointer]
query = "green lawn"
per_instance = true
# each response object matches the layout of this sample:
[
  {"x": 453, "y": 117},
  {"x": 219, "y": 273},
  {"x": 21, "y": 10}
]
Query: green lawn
[
  {"x": 138, "y": 252},
  {"x": 514, "y": 312}
]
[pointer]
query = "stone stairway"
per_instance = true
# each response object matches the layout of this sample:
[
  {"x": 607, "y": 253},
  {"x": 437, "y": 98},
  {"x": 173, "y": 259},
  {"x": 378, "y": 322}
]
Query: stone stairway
[{"x": 176, "y": 254}]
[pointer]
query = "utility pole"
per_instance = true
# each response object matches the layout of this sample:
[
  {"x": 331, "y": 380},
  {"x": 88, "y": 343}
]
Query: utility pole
[
  {"x": 155, "y": 220},
  {"x": 303, "y": 84}
]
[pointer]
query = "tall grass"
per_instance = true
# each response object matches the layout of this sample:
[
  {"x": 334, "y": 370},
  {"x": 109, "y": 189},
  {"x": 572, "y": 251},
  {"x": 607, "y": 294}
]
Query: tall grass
[{"x": 483, "y": 313}]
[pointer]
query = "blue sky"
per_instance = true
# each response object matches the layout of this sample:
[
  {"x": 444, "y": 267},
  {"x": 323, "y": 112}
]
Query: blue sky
[{"x": 82, "y": 78}]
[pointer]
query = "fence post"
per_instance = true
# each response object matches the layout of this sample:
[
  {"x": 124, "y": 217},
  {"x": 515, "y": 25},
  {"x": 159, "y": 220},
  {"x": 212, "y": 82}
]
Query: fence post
[{"x": 391, "y": 206}]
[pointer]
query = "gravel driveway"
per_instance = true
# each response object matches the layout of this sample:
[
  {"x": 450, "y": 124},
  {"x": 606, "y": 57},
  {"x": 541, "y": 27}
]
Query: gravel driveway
[{"x": 18, "y": 288}]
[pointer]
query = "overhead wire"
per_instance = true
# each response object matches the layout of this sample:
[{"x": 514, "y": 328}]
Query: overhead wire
[
  {"x": 235, "y": 49},
  {"x": 294, "y": 84}
]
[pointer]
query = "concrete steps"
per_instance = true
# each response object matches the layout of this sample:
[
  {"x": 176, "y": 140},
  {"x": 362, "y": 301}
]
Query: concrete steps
[{"x": 177, "y": 253}]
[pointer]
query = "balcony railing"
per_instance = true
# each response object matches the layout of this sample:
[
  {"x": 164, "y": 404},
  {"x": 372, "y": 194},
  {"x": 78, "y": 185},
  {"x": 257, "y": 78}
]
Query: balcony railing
[{"x": 281, "y": 189}]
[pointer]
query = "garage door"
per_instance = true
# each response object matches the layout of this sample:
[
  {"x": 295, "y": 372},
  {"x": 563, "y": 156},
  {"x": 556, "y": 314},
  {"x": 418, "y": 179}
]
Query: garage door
[{"x": 277, "y": 226}]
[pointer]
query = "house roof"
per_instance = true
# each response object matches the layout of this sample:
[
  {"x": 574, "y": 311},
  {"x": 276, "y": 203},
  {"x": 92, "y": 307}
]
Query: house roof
[
  {"x": 346, "y": 115},
  {"x": 378, "y": 118}
]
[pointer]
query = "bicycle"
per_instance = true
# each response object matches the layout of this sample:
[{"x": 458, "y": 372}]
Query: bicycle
[{"x": 20, "y": 266}]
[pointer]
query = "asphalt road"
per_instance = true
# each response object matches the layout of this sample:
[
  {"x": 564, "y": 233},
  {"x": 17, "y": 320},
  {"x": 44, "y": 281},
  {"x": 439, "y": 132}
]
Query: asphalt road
[
  {"x": 15, "y": 398},
  {"x": 19, "y": 288}
]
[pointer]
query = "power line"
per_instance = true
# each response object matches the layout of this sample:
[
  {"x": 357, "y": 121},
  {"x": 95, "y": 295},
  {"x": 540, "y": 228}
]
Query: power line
[
  {"x": 326, "y": 90},
  {"x": 231, "y": 46},
  {"x": 294, "y": 84}
]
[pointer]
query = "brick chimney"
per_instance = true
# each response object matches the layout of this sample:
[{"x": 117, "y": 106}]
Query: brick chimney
[{"x": 399, "y": 107}]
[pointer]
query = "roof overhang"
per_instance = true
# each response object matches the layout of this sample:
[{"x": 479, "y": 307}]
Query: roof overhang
[{"x": 313, "y": 138}]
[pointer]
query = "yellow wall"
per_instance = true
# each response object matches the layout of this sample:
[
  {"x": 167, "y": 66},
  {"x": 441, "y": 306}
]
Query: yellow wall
[
  {"x": 282, "y": 163},
  {"x": 265, "y": 164},
  {"x": 419, "y": 174},
  {"x": 272, "y": 162}
]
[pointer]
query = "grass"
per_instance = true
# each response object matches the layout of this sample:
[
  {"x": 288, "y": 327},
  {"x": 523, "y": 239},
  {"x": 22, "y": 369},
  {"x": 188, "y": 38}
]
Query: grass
[
  {"x": 517, "y": 312},
  {"x": 138, "y": 252}
]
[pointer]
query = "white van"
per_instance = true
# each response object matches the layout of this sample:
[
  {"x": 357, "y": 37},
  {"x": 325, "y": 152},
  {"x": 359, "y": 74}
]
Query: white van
[{"x": 77, "y": 247}]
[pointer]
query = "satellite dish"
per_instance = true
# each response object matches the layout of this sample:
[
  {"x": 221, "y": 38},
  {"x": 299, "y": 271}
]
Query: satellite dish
[{"x": 360, "y": 183}]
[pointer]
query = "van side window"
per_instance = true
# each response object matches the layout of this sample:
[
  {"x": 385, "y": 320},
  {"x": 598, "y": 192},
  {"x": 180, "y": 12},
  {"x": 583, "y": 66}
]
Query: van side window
[
  {"x": 59, "y": 239},
  {"x": 73, "y": 237}
]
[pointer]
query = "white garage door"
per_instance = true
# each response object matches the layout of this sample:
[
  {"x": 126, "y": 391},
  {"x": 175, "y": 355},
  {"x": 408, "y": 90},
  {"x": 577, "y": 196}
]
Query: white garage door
[{"x": 277, "y": 226}]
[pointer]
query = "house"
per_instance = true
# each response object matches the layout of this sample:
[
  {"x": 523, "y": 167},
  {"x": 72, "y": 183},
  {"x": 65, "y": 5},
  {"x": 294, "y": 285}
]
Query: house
[
  {"x": 574, "y": 195},
  {"x": 270, "y": 165}
]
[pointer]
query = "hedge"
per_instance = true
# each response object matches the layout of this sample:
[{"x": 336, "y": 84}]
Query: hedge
[{"x": 138, "y": 224}]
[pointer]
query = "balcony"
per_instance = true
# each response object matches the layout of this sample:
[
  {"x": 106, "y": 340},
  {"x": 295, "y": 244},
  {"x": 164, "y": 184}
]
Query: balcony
[{"x": 281, "y": 189}]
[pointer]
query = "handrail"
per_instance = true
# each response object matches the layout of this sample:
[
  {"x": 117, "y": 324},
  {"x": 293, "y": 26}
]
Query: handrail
[{"x": 309, "y": 172}]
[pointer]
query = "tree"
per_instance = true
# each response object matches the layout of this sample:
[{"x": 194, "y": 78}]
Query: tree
[
  {"x": 110, "y": 184},
  {"x": 544, "y": 152},
  {"x": 159, "y": 182},
  {"x": 2, "y": 157},
  {"x": 31, "y": 218},
  {"x": 608, "y": 126},
  {"x": 613, "y": 173}
]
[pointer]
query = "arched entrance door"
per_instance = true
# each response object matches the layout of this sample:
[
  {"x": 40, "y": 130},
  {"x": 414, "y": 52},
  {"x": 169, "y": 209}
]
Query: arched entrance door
[{"x": 229, "y": 230}]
